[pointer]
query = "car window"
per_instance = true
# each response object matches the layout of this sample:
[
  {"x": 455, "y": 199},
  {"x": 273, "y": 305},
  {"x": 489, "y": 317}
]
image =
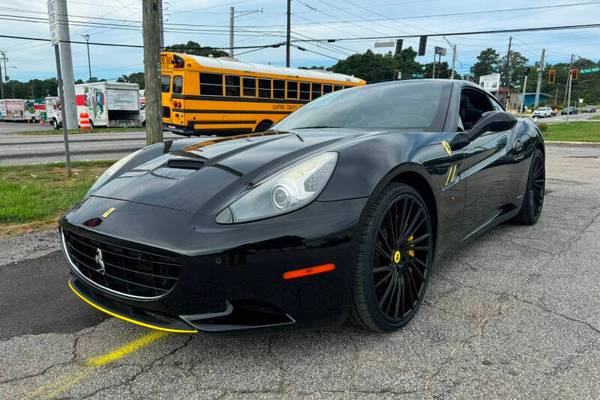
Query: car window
[
  {"x": 408, "y": 106},
  {"x": 473, "y": 104}
]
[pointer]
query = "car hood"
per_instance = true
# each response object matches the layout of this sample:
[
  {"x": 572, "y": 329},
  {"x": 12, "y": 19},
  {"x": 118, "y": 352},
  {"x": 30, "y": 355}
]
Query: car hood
[{"x": 210, "y": 171}]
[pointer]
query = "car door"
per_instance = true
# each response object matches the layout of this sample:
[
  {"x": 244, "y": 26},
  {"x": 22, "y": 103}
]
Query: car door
[{"x": 486, "y": 165}]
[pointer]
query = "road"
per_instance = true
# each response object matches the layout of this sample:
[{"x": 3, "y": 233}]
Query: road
[
  {"x": 574, "y": 117},
  {"x": 20, "y": 149},
  {"x": 513, "y": 314}
]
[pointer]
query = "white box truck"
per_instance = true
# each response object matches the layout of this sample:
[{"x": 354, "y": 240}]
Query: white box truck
[
  {"x": 109, "y": 104},
  {"x": 12, "y": 109},
  {"x": 53, "y": 115}
]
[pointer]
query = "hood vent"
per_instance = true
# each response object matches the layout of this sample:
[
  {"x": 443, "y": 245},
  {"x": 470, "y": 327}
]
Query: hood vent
[{"x": 186, "y": 163}]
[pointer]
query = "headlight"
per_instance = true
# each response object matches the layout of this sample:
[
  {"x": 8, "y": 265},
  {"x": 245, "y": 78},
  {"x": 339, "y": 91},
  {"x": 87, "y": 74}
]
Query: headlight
[
  {"x": 110, "y": 172},
  {"x": 287, "y": 190}
]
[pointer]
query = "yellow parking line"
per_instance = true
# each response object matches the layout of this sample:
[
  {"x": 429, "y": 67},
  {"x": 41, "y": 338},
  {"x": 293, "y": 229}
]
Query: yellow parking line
[
  {"x": 125, "y": 349},
  {"x": 65, "y": 383}
]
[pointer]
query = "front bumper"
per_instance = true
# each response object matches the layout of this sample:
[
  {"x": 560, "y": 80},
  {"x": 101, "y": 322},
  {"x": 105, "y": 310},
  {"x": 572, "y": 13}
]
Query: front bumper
[{"x": 239, "y": 285}]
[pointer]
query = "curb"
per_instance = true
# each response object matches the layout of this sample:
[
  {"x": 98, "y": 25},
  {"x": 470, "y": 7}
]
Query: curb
[{"x": 563, "y": 143}]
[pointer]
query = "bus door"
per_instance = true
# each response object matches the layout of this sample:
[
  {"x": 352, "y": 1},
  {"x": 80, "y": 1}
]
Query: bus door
[{"x": 166, "y": 96}]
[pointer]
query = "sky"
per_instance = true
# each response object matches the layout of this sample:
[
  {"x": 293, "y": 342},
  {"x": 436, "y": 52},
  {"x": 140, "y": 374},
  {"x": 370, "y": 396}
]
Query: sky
[{"x": 262, "y": 22}]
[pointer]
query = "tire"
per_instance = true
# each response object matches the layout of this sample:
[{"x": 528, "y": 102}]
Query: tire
[
  {"x": 392, "y": 270},
  {"x": 263, "y": 126},
  {"x": 533, "y": 200}
]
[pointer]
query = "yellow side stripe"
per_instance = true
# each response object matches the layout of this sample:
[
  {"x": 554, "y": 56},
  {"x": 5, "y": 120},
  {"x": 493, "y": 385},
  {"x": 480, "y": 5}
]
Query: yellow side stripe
[
  {"x": 124, "y": 318},
  {"x": 451, "y": 175}
]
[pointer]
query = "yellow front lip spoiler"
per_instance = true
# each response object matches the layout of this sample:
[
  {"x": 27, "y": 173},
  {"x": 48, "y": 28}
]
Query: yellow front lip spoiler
[{"x": 127, "y": 319}]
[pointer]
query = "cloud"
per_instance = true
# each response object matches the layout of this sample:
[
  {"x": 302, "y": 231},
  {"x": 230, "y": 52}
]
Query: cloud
[{"x": 36, "y": 60}]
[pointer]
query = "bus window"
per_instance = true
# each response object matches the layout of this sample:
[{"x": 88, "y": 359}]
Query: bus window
[
  {"x": 304, "y": 91},
  {"x": 292, "y": 90},
  {"x": 316, "y": 90},
  {"x": 177, "y": 84},
  {"x": 211, "y": 84},
  {"x": 165, "y": 83},
  {"x": 279, "y": 89},
  {"x": 232, "y": 85},
  {"x": 327, "y": 89},
  {"x": 264, "y": 88},
  {"x": 338, "y": 87},
  {"x": 249, "y": 85}
]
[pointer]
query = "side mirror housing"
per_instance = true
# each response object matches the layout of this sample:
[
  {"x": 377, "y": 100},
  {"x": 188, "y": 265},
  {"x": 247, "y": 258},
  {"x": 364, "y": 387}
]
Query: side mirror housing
[{"x": 492, "y": 121}]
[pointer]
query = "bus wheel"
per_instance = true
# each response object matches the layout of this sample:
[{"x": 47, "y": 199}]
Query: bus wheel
[{"x": 263, "y": 126}]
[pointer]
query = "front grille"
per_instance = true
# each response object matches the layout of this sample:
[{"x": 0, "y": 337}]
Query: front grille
[
  {"x": 127, "y": 271},
  {"x": 166, "y": 112}
]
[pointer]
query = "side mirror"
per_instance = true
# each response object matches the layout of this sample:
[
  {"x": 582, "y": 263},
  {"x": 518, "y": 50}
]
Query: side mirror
[{"x": 492, "y": 121}]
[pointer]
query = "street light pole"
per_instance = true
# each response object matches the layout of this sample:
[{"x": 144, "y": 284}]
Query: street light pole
[{"x": 87, "y": 41}]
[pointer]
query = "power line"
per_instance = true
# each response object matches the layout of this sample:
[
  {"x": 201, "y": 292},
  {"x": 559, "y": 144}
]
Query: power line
[
  {"x": 465, "y": 33},
  {"x": 138, "y": 46}
]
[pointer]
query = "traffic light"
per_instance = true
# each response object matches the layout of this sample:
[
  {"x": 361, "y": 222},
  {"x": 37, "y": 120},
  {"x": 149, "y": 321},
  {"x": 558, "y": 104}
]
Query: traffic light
[
  {"x": 399, "y": 47},
  {"x": 422, "y": 45},
  {"x": 526, "y": 71},
  {"x": 575, "y": 74},
  {"x": 552, "y": 76}
]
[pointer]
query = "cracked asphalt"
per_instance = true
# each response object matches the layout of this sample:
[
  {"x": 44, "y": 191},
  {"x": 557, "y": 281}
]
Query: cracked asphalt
[{"x": 513, "y": 314}]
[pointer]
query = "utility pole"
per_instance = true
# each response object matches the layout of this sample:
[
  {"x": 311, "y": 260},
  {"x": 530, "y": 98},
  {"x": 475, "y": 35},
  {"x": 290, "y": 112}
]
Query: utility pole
[
  {"x": 288, "y": 39},
  {"x": 539, "y": 80},
  {"x": 508, "y": 72},
  {"x": 569, "y": 86},
  {"x": 161, "y": 29},
  {"x": 2, "y": 79},
  {"x": 61, "y": 94},
  {"x": 568, "y": 79},
  {"x": 453, "y": 56},
  {"x": 66, "y": 63},
  {"x": 151, "y": 31},
  {"x": 87, "y": 42},
  {"x": 231, "y": 22},
  {"x": 524, "y": 91},
  {"x": 453, "y": 61}
]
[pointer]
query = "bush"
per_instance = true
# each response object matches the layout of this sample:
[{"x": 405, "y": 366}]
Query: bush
[{"x": 543, "y": 127}]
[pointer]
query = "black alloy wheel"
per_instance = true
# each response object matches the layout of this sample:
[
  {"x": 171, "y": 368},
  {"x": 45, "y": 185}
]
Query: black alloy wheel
[
  {"x": 533, "y": 201},
  {"x": 394, "y": 260}
]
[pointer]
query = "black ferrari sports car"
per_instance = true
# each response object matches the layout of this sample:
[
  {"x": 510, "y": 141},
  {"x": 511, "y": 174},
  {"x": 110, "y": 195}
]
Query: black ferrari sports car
[{"x": 340, "y": 210}]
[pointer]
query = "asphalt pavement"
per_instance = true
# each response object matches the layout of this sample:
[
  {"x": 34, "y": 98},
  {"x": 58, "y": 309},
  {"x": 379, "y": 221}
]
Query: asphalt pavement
[
  {"x": 33, "y": 149},
  {"x": 514, "y": 314}
]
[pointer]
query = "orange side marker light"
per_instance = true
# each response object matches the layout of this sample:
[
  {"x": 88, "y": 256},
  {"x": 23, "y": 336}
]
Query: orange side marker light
[{"x": 299, "y": 273}]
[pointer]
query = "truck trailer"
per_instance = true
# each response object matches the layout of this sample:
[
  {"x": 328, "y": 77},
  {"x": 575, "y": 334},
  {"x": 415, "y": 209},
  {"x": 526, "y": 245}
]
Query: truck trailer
[{"x": 109, "y": 104}]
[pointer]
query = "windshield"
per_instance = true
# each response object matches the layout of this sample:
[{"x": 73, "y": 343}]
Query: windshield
[{"x": 416, "y": 106}]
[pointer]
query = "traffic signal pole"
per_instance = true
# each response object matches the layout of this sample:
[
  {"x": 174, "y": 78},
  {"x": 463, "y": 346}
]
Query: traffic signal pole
[
  {"x": 539, "y": 80},
  {"x": 570, "y": 85}
]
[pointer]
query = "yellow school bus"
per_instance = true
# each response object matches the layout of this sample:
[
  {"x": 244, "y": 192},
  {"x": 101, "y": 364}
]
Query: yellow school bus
[{"x": 222, "y": 96}]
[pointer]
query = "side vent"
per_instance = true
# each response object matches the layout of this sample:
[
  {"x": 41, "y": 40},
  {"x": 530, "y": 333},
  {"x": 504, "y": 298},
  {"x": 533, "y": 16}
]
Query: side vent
[{"x": 184, "y": 163}]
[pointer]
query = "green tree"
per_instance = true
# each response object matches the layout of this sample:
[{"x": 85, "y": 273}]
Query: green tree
[
  {"x": 196, "y": 49},
  {"x": 517, "y": 65},
  {"x": 407, "y": 63},
  {"x": 135, "y": 77},
  {"x": 488, "y": 62},
  {"x": 369, "y": 66}
]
